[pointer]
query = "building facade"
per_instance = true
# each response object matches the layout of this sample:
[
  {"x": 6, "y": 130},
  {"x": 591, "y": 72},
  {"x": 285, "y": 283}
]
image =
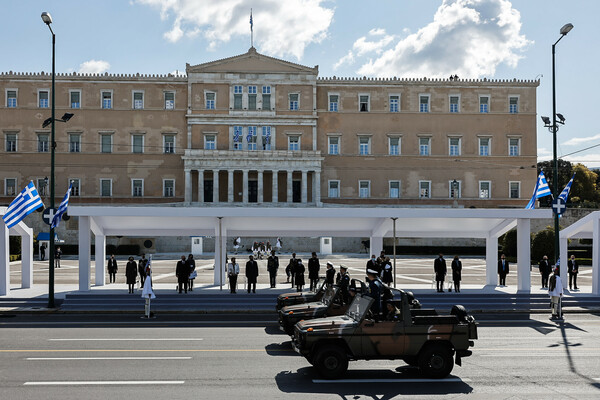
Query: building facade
[{"x": 253, "y": 129}]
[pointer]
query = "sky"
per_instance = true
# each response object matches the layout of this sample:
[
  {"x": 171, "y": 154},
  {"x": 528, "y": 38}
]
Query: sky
[{"x": 494, "y": 39}]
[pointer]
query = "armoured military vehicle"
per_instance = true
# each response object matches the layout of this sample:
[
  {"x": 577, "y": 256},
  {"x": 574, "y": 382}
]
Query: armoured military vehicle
[
  {"x": 331, "y": 304},
  {"x": 419, "y": 337},
  {"x": 288, "y": 299}
]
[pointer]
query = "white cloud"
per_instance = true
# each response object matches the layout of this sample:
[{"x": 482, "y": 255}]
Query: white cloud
[
  {"x": 364, "y": 46},
  {"x": 347, "y": 59},
  {"x": 581, "y": 140},
  {"x": 466, "y": 37},
  {"x": 589, "y": 160},
  {"x": 94, "y": 67},
  {"x": 544, "y": 153},
  {"x": 280, "y": 27}
]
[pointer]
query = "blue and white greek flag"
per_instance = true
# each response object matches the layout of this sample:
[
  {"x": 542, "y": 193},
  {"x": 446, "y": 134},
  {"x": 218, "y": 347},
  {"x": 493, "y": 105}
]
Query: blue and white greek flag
[
  {"x": 565, "y": 193},
  {"x": 541, "y": 190},
  {"x": 237, "y": 130},
  {"x": 251, "y": 22},
  {"x": 62, "y": 208},
  {"x": 24, "y": 204}
]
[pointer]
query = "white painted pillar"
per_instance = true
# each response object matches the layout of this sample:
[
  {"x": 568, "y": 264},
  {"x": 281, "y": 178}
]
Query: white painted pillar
[
  {"x": 200, "y": 186},
  {"x": 188, "y": 186},
  {"x": 215, "y": 185},
  {"x": 491, "y": 260},
  {"x": 27, "y": 259},
  {"x": 289, "y": 187},
  {"x": 376, "y": 245},
  {"x": 220, "y": 275},
  {"x": 100, "y": 259},
  {"x": 564, "y": 259},
  {"x": 245, "y": 186},
  {"x": 304, "y": 198},
  {"x": 326, "y": 246},
  {"x": 314, "y": 136},
  {"x": 596, "y": 257},
  {"x": 524, "y": 255},
  {"x": 230, "y": 187},
  {"x": 4, "y": 260},
  {"x": 85, "y": 241},
  {"x": 261, "y": 197},
  {"x": 317, "y": 191},
  {"x": 275, "y": 199}
]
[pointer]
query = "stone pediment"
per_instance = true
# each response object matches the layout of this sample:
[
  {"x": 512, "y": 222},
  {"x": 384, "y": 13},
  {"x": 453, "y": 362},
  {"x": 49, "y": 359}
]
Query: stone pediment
[{"x": 251, "y": 62}]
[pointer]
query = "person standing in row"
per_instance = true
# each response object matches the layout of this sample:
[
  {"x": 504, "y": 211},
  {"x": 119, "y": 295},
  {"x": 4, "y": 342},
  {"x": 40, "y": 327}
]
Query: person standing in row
[
  {"x": 372, "y": 264},
  {"x": 456, "y": 273},
  {"x": 440, "y": 269},
  {"x": 503, "y": 269},
  {"x": 313, "y": 271},
  {"x": 291, "y": 269},
  {"x": 300, "y": 275},
  {"x": 555, "y": 290},
  {"x": 193, "y": 274},
  {"x": 43, "y": 252},
  {"x": 329, "y": 274},
  {"x": 57, "y": 256},
  {"x": 142, "y": 269},
  {"x": 272, "y": 267},
  {"x": 233, "y": 270},
  {"x": 545, "y": 270},
  {"x": 386, "y": 272},
  {"x": 251, "y": 274},
  {"x": 112, "y": 269},
  {"x": 573, "y": 269},
  {"x": 131, "y": 273},
  {"x": 343, "y": 281},
  {"x": 182, "y": 271}
]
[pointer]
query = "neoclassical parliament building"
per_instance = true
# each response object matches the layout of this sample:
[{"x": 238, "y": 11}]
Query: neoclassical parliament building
[{"x": 256, "y": 130}]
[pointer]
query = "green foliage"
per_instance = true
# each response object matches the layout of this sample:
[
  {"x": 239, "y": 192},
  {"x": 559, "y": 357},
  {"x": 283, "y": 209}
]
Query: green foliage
[
  {"x": 14, "y": 245},
  {"x": 565, "y": 171},
  {"x": 543, "y": 245},
  {"x": 509, "y": 242},
  {"x": 584, "y": 191}
]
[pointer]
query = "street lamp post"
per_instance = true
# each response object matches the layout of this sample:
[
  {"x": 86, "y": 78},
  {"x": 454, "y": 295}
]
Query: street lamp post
[{"x": 394, "y": 276}]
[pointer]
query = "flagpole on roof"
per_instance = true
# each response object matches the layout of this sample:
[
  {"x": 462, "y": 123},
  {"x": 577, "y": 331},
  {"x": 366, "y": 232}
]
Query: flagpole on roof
[{"x": 251, "y": 30}]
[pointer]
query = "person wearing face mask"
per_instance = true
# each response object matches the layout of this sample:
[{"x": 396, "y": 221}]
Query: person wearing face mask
[{"x": 372, "y": 264}]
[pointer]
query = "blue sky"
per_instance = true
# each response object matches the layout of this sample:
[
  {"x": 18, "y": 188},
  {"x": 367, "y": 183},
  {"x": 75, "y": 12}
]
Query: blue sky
[{"x": 496, "y": 39}]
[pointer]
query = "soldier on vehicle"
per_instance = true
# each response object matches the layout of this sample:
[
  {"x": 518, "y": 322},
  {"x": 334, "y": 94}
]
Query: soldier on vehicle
[
  {"x": 392, "y": 313},
  {"x": 343, "y": 280},
  {"x": 329, "y": 274},
  {"x": 374, "y": 291}
]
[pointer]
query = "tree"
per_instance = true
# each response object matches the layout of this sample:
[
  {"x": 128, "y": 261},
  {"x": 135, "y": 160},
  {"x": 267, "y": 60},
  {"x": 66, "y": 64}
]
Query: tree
[
  {"x": 584, "y": 189},
  {"x": 565, "y": 171},
  {"x": 509, "y": 243},
  {"x": 543, "y": 245}
]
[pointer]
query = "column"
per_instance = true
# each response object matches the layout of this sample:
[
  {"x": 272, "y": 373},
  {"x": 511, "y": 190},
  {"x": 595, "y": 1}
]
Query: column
[
  {"x": 27, "y": 259},
  {"x": 4, "y": 260},
  {"x": 85, "y": 242},
  {"x": 188, "y": 186},
  {"x": 491, "y": 260},
  {"x": 376, "y": 245},
  {"x": 524, "y": 255},
  {"x": 215, "y": 185},
  {"x": 304, "y": 198},
  {"x": 596, "y": 257},
  {"x": 245, "y": 186},
  {"x": 260, "y": 187},
  {"x": 230, "y": 187},
  {"x": 220, "y": 277},
  {"x": 275, "y": 187},
  {"x": 99, "y": 259},
  {"x": 200, "y": 185},
  {"x": 317, "y": 191},
  {"x": 564, "y": 257},
  {"x": 289, "y": 186}
]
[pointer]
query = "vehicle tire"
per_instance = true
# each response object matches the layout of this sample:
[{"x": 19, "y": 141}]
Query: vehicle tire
[
  {"x": 413, "y": 361},
  {"x": 331, "y": 362},
  {"x": 436, "y": 361},
  {"x": 460, "y": 312}
]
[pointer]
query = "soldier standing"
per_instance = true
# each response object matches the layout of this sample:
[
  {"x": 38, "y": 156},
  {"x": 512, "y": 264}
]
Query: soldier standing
[
  {"x": 374, "y": 291},
  {"x": 313, "y": 271},
  {"x": 343, "y": 280},
  {"x": 272, "y": 267},
  {"x": 329, "y": 274},
  {"x": 440, "y": 269}
]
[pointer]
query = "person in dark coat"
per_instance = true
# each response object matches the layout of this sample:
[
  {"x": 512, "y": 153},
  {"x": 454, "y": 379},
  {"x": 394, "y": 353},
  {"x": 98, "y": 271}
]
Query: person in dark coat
[
  {"x": 372, "y": 264},
  {"x": 43, "y": 252},
  {"x": 329, "y": 274},
  {"x": 182, "y": 271},
  {"x": 386, "y": 272},
  {"x": 440, "y": 269},
  {"x": 545, "y": 271},
  {"x": 251, "y": 274},
  {"x": 313, "y": 271},
  {"x": 456, "y": 273},
  {"x": 131, "y": 273},
  {"x": 192, "y": 265},
  {"x": 272, "y": 267},
  {"x": 57, "y": 256},
  {"x": 503, "y": 269},
  {"x": 112, "y": 269},
  {"x": 343, "y": 281},
  {"x": 374, "y": 291},
  {"x": 573, "y": 269},
  {"x": 142, "y": 269},
  {"x": 300, "y": 268},
  {"x": 290, "y": 270}
]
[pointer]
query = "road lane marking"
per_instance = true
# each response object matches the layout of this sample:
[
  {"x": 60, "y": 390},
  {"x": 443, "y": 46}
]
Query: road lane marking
[
  {"x": 103, "y": 358},
  {"x": 84, "y": 383},
  {"x": 424, "y": 380},
  {"x": 141, "y": 350},
  {"x": 123, "y": 339}
]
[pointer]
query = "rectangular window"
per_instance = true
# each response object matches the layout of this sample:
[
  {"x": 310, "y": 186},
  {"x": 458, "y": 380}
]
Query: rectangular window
[
  {"x": 363, "y": 103},
  {"x": 106, "y": 143},
  {"x": 484, "y": 106},
  {"x": 169, "y": 188},
  {"x": 266, "y": 137},
  {"x": 454, "y": 104},
  {"x": 137, "y": 187},
  {"x": 43, "y": 144},
  {"x": 251, "y": 97},
  {"x": 106, "y": 100},
  {"x": 210, "y": 100},
  {"x": 484, "y": 146},
  {"x": 237, "y": 97},
  {"x": 424, "y": 189},
  {"x": 485, "y": 189},
  {"x": 138, "y": 100},
  {"x": 394, "y": 189},
  {"x": 106, "y": 187},
  {"x": 515, "y": 190},
  {"x": 424, "y": 146},
  {"x": 169, "y": 144},
  {"x": 169, "y": 100},
  {"x": 333, "y": 102},
  {"x": 11, "y": 98},
  {"x": 75, "y": 143},
  {"x": 75, "y": 187},
  {"x": 251, "y": 138},
  {"x": 237, "y": 137},
  {"x": 334, "y": 145},
  {"x": 75, "y": 99},
  {"x": 293, "y": 143},
  {"x": 364, "y": 145},
  {"x": 364, "y": 189},
  {"x": 137, "y": 143},
  {"x": 266, "y": 97},
  {"x": 454, "y": 147},
  {"x": 394, "y": 144},
  {"x": 11, "y": 142},
  {"x": 43, "y": 101},
  {"x": 454, "y": 189},
  {"x": 294, "y": 101},
  {"x": 513, "y": 105},
  {"x": 334, "y": 189},
  {"x": 513, "y": 147},
  {"x": 423, "y": 103},
  {"x": 10, "y": 186},
  {"x": 394, "y": 103},
  {"x": 210, "y": 142}
]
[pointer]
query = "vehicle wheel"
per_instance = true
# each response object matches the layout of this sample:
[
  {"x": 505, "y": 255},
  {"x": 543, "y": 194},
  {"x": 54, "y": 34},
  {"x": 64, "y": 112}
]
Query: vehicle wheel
[
  {"x": 331, "y": 362},
  {"x": 436, "y": 361},
  {"x": 460, "y": 312},
  {"x": 412, "y": 361}
]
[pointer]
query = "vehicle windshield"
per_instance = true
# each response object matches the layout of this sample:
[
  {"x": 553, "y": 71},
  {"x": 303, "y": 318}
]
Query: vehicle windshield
[
  {"x": 359, "y": 307},
  {"x": 329, "y": 295},
  {"x": 320, "y": 285}
]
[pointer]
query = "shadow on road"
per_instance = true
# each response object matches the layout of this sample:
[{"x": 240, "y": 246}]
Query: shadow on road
[
  {"x": 567, "y": 345},
  {"x": 281, "y": 349}
]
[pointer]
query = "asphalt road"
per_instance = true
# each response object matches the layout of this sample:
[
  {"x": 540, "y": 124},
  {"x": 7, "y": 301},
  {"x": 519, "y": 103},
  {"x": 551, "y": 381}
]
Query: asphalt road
[{"x": 232, "y": 357}]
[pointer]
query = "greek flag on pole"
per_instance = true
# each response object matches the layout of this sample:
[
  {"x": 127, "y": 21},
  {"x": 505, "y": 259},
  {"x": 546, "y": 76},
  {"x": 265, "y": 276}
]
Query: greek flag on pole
[
  {"x": 24, "y": 204},
  {"x": 541, "y": 190},
  {"x": 565, "y": 193},
  {"x": 251, "y": 23},
  {"x": 62, "y": 208}
]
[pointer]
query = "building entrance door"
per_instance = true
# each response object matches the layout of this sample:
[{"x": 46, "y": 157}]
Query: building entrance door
[
  {"x": 208, "y": 191},
  {"x": 296, "y": 192},
  {"x": 252, "y": 191}
]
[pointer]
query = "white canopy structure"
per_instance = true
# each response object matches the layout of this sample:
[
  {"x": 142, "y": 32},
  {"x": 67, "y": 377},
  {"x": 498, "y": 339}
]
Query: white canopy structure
[
  {"x": 375, "y": 223},
  {"x": 587, "y": 227},
  {"x": 26, "y": 234}
]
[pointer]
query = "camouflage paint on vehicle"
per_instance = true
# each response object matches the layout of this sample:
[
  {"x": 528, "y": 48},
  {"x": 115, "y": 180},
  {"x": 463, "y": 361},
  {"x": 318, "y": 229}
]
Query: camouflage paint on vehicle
[
  {"x": 331, "y": 304},
  {"x": 288, "y": 299}
]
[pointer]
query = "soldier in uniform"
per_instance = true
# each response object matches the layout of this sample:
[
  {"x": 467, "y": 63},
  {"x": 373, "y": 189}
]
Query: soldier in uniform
[
  {"x": 440, "y": 269},
  {"x": 545, "y": 270},
  {"x": 313, "y": 271},
  {"x": 272, "y": 267},
  {"x": 393, "y": 313},
  {"x": 374, "y": 291},
  {"x": 343, "y": 281},
  {"x": 329, "y": 274}
]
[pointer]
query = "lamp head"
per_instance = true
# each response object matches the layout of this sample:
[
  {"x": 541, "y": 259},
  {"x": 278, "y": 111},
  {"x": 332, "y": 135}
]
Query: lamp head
[
  {"x": 546, "y": 121},
  {"x": 566, "y": 29},
  {"x": 561, "y": 118},
  {"x": 67, "y": 116},
  {"x": 47, "y": 122},
  {"x": 47, "y": 18}
]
